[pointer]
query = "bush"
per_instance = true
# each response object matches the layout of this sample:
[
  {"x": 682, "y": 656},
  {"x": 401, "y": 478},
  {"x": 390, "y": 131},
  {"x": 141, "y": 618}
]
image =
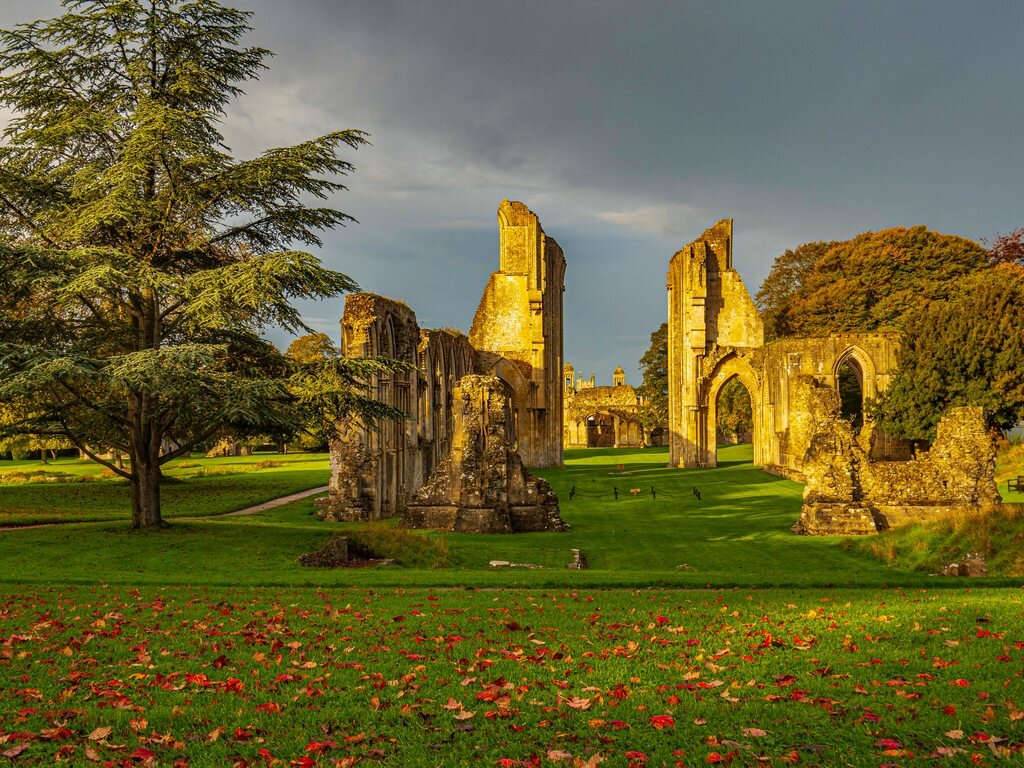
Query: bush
[{"x": 405, "y": 547}]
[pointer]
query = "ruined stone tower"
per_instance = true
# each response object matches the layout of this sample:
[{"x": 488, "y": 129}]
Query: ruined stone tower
[
  {"x": 710, "y": 318},
  {"x": 517, "y": 331}
]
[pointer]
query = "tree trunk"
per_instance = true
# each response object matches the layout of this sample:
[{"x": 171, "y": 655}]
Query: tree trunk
[
  {"x": 146, "y": 489},
  {"x": 145, "y": 464}
]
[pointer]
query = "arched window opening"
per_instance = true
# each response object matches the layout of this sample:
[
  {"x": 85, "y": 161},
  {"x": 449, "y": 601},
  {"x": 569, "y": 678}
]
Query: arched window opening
[
  {"x": 600, "y": 431},
  {"x": 850, "y": 383}
]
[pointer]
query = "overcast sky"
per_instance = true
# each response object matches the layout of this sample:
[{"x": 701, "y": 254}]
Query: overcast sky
[{"x": 629, "y": 128}]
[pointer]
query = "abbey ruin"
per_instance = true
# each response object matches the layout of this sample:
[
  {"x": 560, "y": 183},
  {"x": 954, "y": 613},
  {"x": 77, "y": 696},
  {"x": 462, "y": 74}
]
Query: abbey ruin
[
  {"x": 484, "y": 406},
  {"x": 603, "y": 417},
  {"x": 516, "y": 338},
  {"x": 715, "y": 335}
]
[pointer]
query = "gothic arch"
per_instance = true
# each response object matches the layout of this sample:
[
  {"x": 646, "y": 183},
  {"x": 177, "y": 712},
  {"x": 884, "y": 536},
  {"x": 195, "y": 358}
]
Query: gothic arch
[
  {"x": 729, "y": 368},
  {"x": 866, "y": 366},
  {"x": 519, "y": 388}
]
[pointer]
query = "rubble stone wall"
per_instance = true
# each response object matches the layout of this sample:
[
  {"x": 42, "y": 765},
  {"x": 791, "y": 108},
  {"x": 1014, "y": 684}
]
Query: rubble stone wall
[
  {"x": 847, "y": 492},
  {"x": 483, "y": 487},
  {"x": 516, "y": 336}
]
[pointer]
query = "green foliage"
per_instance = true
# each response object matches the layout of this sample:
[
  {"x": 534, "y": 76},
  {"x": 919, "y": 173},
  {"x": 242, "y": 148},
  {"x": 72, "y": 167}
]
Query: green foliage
[
  {"x": 139, "y": 261},
  {"x": 851, "y": 395},
  {"x": 734, "y": 414},
  {"x": 654, "y": 367},
  {"x": 871, "y": 282},
  {"x": 965, "y": 349},
  {"x": 788, "y": 272}
]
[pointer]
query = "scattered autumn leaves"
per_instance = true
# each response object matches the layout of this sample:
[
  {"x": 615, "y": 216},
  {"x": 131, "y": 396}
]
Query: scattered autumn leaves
[{"x": 187, "y": 677}]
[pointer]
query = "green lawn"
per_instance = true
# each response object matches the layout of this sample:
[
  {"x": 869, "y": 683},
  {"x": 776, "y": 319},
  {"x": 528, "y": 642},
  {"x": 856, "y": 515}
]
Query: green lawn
[
  {"x": 205, "y": 643},
  {"x": 208, "y": 677},
  {"x": 736, "y": 534},
  {"x": 195, "y": 486}
]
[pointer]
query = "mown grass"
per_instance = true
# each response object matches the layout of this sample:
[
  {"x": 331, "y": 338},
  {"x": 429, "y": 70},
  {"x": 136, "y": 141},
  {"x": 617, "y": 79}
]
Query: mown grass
[
  {"x": 194, "y": 486},
  {"x": 206, "y": 644},
  {"x": 736, "y": 534},
  {"x": 202, "y": 677}
]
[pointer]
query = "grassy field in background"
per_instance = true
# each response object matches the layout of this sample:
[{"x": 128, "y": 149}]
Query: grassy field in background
[
  {"x": 194, "y": 486},
  {"x": 737, "y": 533}
]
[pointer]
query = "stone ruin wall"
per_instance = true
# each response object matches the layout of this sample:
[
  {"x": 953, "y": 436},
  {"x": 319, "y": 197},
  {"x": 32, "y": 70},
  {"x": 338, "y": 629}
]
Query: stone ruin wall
[
  {"x": 619, "y": 404},
  {"x": 518, "y": 324},
  {"x": 518, "y": 338},
  {"x": 716, "y": 335},
  {"x": 848, "y": 493},
  {"x": 710, "y": 316},
  {"x": 375, "y": 471},
  {"x": 789, "y": 369},
  {"x": 863, "y": 481},
  {"x": 482, "y": 486}
]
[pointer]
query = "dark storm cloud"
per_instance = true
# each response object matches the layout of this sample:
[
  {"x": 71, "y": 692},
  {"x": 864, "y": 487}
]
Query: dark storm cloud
[{"x": 629, "y": 128}]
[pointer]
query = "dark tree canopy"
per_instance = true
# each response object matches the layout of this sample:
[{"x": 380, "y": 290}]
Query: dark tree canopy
[
  {"x": 869, "y": 283},
  {"x": 139, "y": 261},
  {"x": 654, "y": 367},
  {"x": 965, "y": 349}
]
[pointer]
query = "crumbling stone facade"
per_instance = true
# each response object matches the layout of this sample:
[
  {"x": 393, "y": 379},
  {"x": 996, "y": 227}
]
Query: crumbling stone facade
[
  {"x": 602, "y": 417},
  {"x": 482, "y": 486},
  {"x": 375, "y": 471},
  {"x": 847, "y": 492},
  {"x": 712, "y": 321},
  {"x": 516, "y": 336},
  {"x": 517, "y": 330},
  {"x": 858, "y": 481},
  {"x": 715, "y": 335}
]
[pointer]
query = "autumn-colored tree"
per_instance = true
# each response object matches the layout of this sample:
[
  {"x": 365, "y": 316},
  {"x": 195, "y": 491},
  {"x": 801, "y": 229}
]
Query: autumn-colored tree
[
  {"x": 868, "y": 283},
  {"x": 965, "y": 349},
  {"x": 1009, "y": 248},
  {"x": 139, "y": 261},
  {"x": 312, "y": 347},
  {"x": 775, "y": 298}
]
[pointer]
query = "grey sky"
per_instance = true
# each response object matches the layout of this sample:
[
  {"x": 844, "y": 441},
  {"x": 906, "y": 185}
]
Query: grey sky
[{"x": 629, "y": 128}]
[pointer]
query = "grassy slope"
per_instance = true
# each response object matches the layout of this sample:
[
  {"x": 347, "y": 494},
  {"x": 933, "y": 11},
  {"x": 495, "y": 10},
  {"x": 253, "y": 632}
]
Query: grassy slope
[
  {"x": 927, "y": 547},
  {"x": 738, "y": 533},
  {"x": 197, "y": 486},
  {"x": 1010, "y": 464}
]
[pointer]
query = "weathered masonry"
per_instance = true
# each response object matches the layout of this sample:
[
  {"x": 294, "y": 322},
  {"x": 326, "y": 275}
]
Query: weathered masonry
[
  {"x": 715, "y": 335},
  {"x": 858, "y": 480},
  {"x": 603, "y": 417},
  {"x": 516, "y": 337}
]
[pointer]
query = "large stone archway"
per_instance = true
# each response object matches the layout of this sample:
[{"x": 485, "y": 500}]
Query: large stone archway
[
  {"x": 715, "y": 334},
  {"x": 728, "y": 369}
]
